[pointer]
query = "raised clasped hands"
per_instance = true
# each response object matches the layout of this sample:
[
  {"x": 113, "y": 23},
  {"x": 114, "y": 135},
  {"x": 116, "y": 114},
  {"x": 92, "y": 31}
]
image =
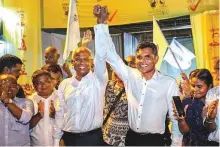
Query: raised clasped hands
[{"x": 101, "y": 13}]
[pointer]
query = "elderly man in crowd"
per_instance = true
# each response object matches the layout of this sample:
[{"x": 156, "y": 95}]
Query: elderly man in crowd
[{"x": 15, "y": 114}]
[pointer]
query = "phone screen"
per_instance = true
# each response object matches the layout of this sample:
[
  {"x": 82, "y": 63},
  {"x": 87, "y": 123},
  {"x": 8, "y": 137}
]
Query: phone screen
[{"x": 179, "y": 105}]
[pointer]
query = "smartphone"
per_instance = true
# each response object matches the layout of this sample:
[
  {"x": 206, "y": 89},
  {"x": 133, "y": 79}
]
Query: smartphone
[{"x": 179, "y": 105}]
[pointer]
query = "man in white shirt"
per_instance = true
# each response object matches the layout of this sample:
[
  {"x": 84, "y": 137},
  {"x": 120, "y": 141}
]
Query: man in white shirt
[
  {"x": 149, "y": 92},
  {"x": 15, "y": 114},
  {"x": 51, "y": 56},
  {"x": 79, "y": 118},
  {"x": 42, "y": 123},
  {"x": 212, "y": 101}
]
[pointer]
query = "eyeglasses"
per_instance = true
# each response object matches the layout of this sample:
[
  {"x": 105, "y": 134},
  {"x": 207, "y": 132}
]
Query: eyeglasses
[
  {"x": 47, "y": 82},
  {"x": 15, "y": 70},
  {"x": 49, "y": 57},
  {"x": 80, "y": 60},
  {"x": 13, "y": 86}
]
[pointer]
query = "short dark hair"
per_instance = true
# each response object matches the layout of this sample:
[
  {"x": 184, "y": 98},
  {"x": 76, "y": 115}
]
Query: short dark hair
[
  {"x": 9, "y": 61},
  {"x": 206, "y": 76},
  {"x": 55, "y": 68},
  {"x": 39, "y": 73},
  {"x": 147, "y": 44},
  {"x": 193, "y": 73}
]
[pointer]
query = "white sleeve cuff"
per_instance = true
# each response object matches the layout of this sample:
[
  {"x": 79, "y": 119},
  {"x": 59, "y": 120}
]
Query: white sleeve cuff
[
  {"x": 101, "y": 27},
  {"x": 56, "y": 142}
]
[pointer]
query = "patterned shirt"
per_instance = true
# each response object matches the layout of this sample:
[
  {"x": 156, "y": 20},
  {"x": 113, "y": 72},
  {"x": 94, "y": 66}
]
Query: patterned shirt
[{"x": 115, "y": 129}]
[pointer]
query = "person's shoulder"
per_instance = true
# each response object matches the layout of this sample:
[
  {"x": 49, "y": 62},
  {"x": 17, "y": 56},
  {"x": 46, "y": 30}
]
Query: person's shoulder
[
  {"x": 133, "y": 72},
  {"x": 215, "y": 90},
  {"x": 212, "y": 93},
  {"x": 22, "y": 101},
  {"x": 186, "y": 101},
  {"x": 33, "y": 96},
  {"x": 165, "y": 77},
  {"x": 66, "y": 81}
]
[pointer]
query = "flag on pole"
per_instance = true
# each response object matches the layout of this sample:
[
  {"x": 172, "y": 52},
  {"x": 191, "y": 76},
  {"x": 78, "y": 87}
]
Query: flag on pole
[
  {"x": 73, "y": 32},
  {"x": 182, "y": 54},
  {"x": 160, "y": 41}
]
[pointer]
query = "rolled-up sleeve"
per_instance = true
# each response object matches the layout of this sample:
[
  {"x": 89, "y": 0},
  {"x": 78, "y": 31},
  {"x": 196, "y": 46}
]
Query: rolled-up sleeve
[
  {"x": 176, "y": 134},
  {"x": 27, "y": 112}
]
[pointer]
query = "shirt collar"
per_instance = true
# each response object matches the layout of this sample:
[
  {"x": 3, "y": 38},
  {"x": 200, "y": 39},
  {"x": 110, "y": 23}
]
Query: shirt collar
[
  {"x": 50, "y": 97},
  {"x": 155, "y": 75},
  {"x": 75, "y": 82},
  {"x": 16, "y": 99}
]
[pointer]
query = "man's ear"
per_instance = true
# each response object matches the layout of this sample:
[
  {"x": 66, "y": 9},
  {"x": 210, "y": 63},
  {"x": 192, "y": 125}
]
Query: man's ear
[
  {"x": 156, "y": 58},
  {"x": 210, "y": 86},
  {"x": 92, "y": 66},
  {"x": 58, "y": 56},
  {"x": 6, "y": 70},
  {"x": 73, "y": 62}
]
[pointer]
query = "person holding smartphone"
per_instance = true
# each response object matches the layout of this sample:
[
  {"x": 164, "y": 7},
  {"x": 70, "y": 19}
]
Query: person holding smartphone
[{"x": 195, "y": 134}]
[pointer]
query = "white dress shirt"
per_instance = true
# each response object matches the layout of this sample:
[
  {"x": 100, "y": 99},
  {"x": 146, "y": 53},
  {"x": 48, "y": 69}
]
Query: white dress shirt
[
  {"x": 81, "y": 102},
  {"x": 212, "y": 95},
  {"x": 42, "y": 133},
  {"x": 148, "y": 100},
  {"x": 15, "y": 132}
]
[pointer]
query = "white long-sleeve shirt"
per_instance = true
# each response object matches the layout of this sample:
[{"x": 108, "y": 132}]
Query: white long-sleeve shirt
[
  {"x": 212, "y": 95},
  {"x": 15, "y": 132},
  {"x": 81, "y": 102},
  {"x": 148, "y": 100},
  {"x": 42, "y": 133}
]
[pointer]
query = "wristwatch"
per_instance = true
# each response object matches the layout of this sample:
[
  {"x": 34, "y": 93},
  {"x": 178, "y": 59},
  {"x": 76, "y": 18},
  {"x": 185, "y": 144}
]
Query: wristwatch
[{"x": 9, "y": 101}]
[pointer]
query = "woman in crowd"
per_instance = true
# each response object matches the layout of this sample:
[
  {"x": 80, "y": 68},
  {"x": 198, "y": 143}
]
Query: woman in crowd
[
  {"x": 115, "y": 126},
  {"x": 187, "y": 85},
  {"x": 191, "y": 126}
]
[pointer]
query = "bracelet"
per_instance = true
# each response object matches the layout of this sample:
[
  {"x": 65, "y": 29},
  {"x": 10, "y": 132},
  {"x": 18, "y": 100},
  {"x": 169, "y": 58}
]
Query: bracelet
[
  {"x": 9, "y": 101},
  {"x": 209, "y": 122}
]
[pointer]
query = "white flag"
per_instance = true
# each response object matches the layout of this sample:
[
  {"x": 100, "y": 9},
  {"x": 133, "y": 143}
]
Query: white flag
[
  {"x": 73, "y": 32},
  {"x": 182, "y": 54}
]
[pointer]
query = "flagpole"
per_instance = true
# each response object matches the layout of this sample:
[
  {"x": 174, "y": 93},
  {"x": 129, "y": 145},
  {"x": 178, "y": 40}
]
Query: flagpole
[
  {"x": 175, "y": 58},
  {"x": 168, "y": 46}
]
